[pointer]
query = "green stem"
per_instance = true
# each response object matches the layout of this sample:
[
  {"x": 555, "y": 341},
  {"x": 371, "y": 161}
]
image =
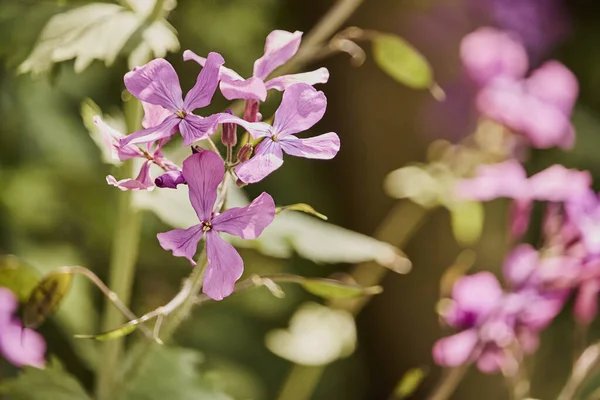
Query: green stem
[
  {"x": 397, "y": 228},
  {"x": 301, "y": 382},
  {"x": 448, "y": 383},
  {"x": 122, "y": 266},
  {"x": 144, "y": 350}
]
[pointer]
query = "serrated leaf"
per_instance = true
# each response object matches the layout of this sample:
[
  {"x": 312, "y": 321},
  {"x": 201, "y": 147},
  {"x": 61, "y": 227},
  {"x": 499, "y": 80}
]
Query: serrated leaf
[
  {"x": 45, "y": 298},
  {"x": 18, "y": 276},
  {"x": 50, "y": 383},
  {"x": 96, "y": 31},
  {"x": 467, "y": 222},
  {"x": 400, "y": 60},
  {"x": 121, "y": 331},
  {"x": 303, "y": 207},
  {"x": 290, "y": 233},
  {"x": 170, "y": 373}
]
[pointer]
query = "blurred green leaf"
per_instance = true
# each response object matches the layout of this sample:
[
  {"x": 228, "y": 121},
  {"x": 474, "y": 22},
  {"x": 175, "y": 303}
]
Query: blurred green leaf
[
  {"x": 397, "y": 58},
  {"x": 410, "y": 382},
  {"x": 305, "y": 208},
  {"x": 310, "y": 238},
  {"x": 467, "y": 222},
  {"x": 171, "y": 373},
  {"x": 45, "y": 298},
  {"x": 50, "y": 383},
  {"x": 317, "y": 335},
  {"x": 329, "y": 288},
  {"x": 17, "y": 276},
  {"x": 97, "y": 31}
]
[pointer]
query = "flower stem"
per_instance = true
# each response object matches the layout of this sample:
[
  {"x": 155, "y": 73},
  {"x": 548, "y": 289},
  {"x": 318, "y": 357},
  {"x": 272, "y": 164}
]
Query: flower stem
[
  {"x": 301, "y": 382},
  {"x": 397, "y": 227},
  {"x": 585, "y": 364},
  {"x": 448, "y": 383},
  {"x": 122, "y": 266}
]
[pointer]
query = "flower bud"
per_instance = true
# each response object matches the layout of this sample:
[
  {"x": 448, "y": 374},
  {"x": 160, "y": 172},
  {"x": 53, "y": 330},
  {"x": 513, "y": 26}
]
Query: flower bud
[
  {"x": 229, "y": 135},
  {"x": 251, "y": 111},
  {"x": 245, "y": 152},
  {"x": 197, "y": 149},
  {"x": 170, "y": 179}
]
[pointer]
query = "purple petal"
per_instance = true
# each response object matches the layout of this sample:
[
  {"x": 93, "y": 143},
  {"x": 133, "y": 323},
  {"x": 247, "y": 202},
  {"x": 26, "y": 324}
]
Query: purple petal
[
  {"x": 203, "y": 172},
  {"x": 520, "y": 214},
  {"x": 225, "y": 267},
  {"x": 8, "y": 304},
  {"x": 247, "y": 222},
  {"x": 586, "y": 302},
  {"x": 301, "y": 107},
  {"x": 520, "y": 265},
  {"x": 111, "y": 140},
  {"x": 267, "y": 158},
  {"x": 224, "y": 72},
  {"x": 559, "y": 184},
  {"x": 542, "y": 309},
  {"x": 506, "y": 179},
  {"x": 281, "y": 83},
  {"x": 142, "y": 182},
  {"x": 182, "y": 242},
  {"x": 487, "y": 53},
  {"x": 555, "y": 84},
  {"x": 22, "y": 347},
  {"x": 256, "y": 129},
  {"x": 156, "y": 83},
  {"x": 166, "y": 129},
  {"x": 493, "y": 359},
  {"x": 251, "y": 88},
  {"x": 280, "y": 46},
  {"x": 323, "y": 147},
  {"x": 208, "y": 79},
  {"x": 194, "y": 127},
  {"x": 455, "y": 350},
  {"x": 154, "y": 115},
  {"x": 170, "y": 179},
  {"x": 475, "y": 297}
]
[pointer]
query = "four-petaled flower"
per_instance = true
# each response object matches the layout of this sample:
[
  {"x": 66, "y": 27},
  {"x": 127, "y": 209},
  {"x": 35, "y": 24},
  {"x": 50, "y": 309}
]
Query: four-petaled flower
[
  {"x": 279, "y": 48},
  {"x": 157, "y": 83},
  {"x": 301, "y": 107},
  {"x": 204, "y": 172}
]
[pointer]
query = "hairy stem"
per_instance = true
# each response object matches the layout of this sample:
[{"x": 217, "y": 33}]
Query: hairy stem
[
  {"x": 122, "y": 266},
  {"x": 396, "y": 228}
]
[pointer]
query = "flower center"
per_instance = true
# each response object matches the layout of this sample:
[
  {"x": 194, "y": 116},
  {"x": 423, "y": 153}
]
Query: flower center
[
  {"x": 274, "y": 138},
  {"x": 181, "y": 114},
  {"x": 206, "y": 226}
]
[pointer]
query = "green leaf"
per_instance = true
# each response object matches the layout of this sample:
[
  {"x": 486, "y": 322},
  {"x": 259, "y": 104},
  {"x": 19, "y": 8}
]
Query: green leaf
[
  {"x": 17, "y": 276},
  {"x": 410, "y": 382},
  {"x": 467, "y": 222},
  {"x": 121, "y": 331},
  {"x": 401, "y": 61},
  {"x": 305, "y": 208},
  {"x": 96, "y": 31},
  {"x": 328, "y": 288},
  {"x": 170, "y": 373},
  {"x": 45, "y": 298},
  {"x": 50, "y": 383},
  {"x": 289, "y": 233}
]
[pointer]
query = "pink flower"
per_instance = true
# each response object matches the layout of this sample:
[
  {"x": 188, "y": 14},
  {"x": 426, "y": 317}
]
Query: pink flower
[
  {"x": 157, "y": 83},
  {"x": 280, "y": 46},
  {"x": 204, "y": 172},
  {"x": 302, "y": 106},
  {"x": 488, "y": 53},
  {"x": 20, "y": 346}
]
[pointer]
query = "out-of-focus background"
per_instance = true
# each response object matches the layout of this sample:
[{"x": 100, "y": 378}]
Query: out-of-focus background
[{"x": 56, "y": 208}]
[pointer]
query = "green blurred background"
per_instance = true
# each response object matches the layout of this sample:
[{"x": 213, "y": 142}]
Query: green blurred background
[{"x": 56, "y": 209}]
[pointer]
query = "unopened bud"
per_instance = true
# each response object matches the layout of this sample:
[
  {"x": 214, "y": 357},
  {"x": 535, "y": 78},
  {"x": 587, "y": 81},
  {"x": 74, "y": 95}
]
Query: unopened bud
[
  {"x": 229, "y": 135},
  {"x": 245, "y": 152},
  {"x": 251, "y": 111},
  {"x": 197, "y": 149},
  {"x": 170, "y": 179},
  {"x": 240, "y": 183}
]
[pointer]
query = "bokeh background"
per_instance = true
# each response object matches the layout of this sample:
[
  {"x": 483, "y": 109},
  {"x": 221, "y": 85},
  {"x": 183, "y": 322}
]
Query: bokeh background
[{"x": 56, "y": 209}]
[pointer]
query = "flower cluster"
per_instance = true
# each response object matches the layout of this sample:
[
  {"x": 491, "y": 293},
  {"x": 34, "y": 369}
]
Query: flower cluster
[
  {"x": 498, "y": 327},
  {"x": 20, "y": 346},
  {"x": 167, "y": 112}
]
